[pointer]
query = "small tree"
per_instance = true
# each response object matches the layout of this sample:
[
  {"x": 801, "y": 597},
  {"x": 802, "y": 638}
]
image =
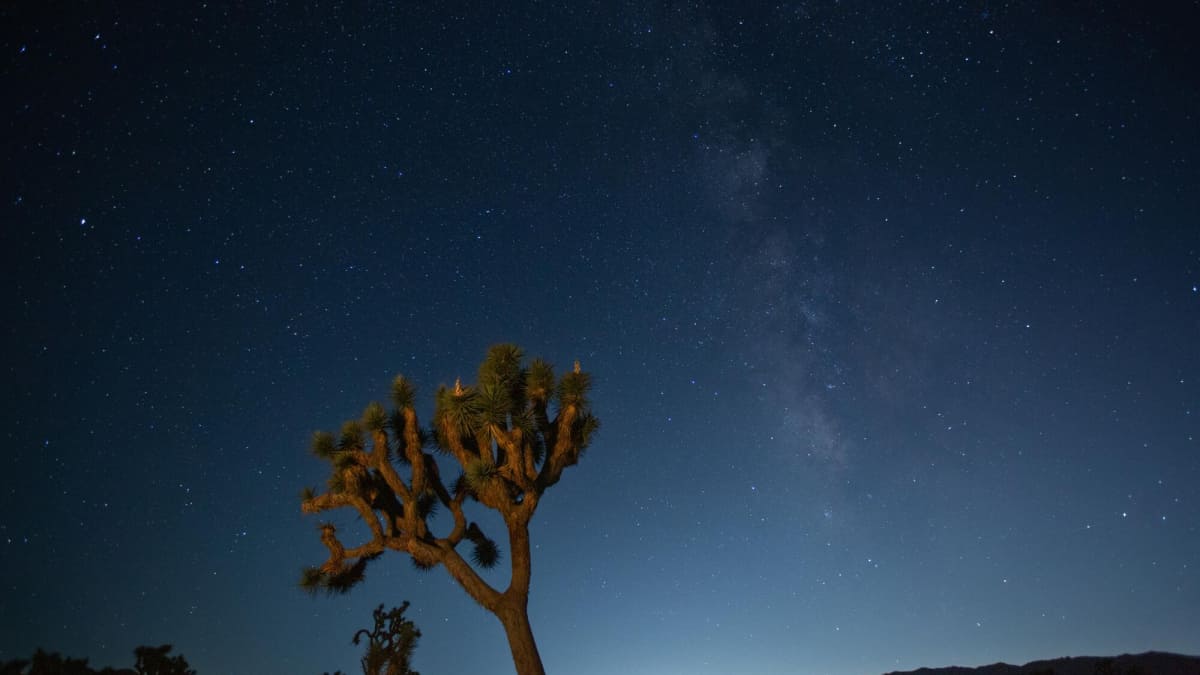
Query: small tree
[
  {"x": 155, "y": 661},
  {"x": 509, "y": 451},
  {"x": 391, "y": 644}
]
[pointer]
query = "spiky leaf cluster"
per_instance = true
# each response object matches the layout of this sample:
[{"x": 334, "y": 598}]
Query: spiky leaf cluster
[
  {"x": 510, "y": 397},
  {"x": 320, "y": 580},
  {"x": 539, "y": 381},
  {"x": 457, "y": 408},
  {"x": 584, "y": 429},
  {"x": 375, "y": 418},
  {"x": 403, "y": 393},
  {"x": 323, "y": 445},
  {"x": 485, "y": 552},
  {"x": 351, "y": 436},
  {"x": 479, "y": 474},
  {"x": 573, "y": 388}
]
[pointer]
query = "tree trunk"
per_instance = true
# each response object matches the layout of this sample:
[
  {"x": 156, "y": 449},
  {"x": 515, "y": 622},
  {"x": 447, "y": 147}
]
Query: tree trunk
[
  {"x": 513, "y": 608},
  {"x": 520, "y": 639}
]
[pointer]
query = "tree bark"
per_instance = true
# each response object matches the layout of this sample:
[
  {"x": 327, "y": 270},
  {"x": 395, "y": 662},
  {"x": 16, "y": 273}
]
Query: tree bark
[
  {"x": 515, "y": 618},
  {"x": 513, "y": 608}
]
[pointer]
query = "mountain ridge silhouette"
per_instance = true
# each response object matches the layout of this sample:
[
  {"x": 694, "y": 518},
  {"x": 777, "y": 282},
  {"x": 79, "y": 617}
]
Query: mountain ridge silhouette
[{"x": 1145, "y": 663}]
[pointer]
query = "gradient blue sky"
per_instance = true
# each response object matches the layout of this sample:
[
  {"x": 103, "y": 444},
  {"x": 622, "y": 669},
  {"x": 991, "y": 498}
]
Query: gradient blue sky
[{"x": 893, "y": 315}]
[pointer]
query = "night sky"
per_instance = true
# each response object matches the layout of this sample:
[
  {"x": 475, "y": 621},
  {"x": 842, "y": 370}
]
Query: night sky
[{"x": 892, "y": 309}]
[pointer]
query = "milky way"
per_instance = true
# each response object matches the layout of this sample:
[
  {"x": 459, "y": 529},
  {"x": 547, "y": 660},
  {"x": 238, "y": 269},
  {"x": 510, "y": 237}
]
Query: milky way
[{"x": 892, "y": 315}]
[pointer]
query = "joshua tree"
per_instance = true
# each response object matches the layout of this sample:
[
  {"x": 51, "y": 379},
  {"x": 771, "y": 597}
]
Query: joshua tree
[
  {"x": 509, "y": 451},
  {"x": 391, "y": 644}
]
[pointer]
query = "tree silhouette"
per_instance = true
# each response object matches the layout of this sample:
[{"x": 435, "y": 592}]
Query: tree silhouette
[
  {"x": 44, "y": 663},
  {"x": 150, "y": 661},
  {"x": 47, "y": 663},
  {"x": 509, "y": 452},
  {"x": 154, "y": 661},
  {"x": 391, "y": 644}
]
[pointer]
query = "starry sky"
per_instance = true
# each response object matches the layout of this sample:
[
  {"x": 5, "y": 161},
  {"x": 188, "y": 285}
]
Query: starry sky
[{"x": 892, "y": 309}]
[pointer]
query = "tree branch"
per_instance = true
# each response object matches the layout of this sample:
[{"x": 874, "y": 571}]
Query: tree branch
[
  {"x": 465, "y": 575},
  {"x": 562, "y": 453},
  {"x": 384, "y": 466},
  {"x": 412, "y": 449},
  {"x": 324, "y": 502}
]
